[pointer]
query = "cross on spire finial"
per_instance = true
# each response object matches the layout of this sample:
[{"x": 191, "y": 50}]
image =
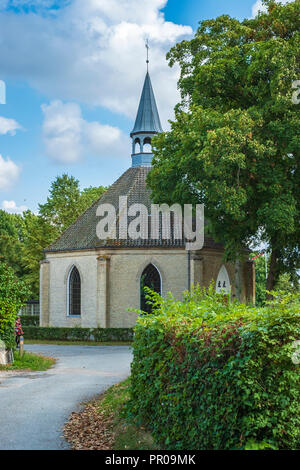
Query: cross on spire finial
[{"x": 147, "y": 47}]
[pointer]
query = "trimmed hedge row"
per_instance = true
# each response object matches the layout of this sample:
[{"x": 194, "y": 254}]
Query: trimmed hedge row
[
  {"x": 78, "y": 334},
  {"x": 208, "y": 374},
  {"x": 30, "y": 320}
]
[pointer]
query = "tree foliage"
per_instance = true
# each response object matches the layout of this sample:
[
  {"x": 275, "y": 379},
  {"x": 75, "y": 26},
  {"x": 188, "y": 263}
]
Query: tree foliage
[
  {"x": 66, "y": 202},
  {"x": 23, "y": 238},
  {"x": 234, "y": 143},
  {"x": 11, "y": 227},
  {"x": 13, "y": 293}
]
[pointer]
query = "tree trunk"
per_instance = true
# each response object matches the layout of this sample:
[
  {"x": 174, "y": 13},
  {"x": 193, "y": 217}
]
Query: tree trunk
[{"x": 273, "y": 274}]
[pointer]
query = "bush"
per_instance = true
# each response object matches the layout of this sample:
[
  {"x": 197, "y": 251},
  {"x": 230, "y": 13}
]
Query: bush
[
  {"x": 30, "y": 320},
  {"x": 78, "y": 334},
  {"x": 209, "y": 374},
  {"x": 12, "y": 288},
  {"x": 8, "y": 313},
  {"x": 13, "y": 293}
]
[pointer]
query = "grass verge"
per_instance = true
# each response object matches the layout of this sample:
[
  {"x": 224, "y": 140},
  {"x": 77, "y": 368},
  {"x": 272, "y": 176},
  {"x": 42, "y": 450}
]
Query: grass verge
[
  {"x": 78, "y": 343},
  {"x": 29, "y": 361},
  {"x": 100, "y": 425}
]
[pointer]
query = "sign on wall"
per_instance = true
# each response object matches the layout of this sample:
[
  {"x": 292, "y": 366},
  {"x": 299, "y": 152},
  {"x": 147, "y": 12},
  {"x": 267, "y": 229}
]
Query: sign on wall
[{"x": 223, "y": 283}]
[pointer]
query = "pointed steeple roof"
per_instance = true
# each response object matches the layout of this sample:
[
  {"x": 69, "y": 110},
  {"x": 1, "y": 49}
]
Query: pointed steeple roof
[{"x": 147, "y": 118}]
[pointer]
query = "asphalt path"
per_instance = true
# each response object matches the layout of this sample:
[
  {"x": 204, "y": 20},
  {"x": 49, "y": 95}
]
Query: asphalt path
[{"x": 35, "y": 405}]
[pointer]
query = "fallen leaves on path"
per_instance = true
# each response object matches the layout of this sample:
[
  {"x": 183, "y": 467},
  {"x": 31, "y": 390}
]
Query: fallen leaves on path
[{"x": 90, "y": 429}]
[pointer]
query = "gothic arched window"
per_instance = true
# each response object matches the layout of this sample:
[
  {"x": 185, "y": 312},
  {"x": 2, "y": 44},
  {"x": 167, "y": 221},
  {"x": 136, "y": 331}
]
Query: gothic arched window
[
  {"x": 150, "y": 278},
  {"x": 74, "y": 292}
]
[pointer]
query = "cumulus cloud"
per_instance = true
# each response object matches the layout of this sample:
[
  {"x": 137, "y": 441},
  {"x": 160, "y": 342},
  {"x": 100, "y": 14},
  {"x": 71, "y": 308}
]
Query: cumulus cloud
[
  {"x": 12, "y": 208},
  {"x": 258, "y": 6},
  {"x": 67, "y": 135},
  {"x": 9, "y": 172},
  {"x": 8, "y": 126},
  {"x": 62, "y": 131},
  {"x": 93, "y": 52}
]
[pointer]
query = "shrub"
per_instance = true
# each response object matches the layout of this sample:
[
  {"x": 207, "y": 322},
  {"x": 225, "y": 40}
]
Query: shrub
[
  {"x": 30, "y": 320},
  {"x": 12, "y": 288},
  {"x": 210, "y": 374},
  {"x": 8, "y": 313},
  {"x": 78, "y": 334},
  {"x": 13, "y": 293}
]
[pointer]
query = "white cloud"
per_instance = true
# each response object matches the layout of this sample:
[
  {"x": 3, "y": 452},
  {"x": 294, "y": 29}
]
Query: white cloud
[
  {"x": 258, "y": 6},
  {"x": 8, "y": 126},
  {"x": 12, "y": 208},
  {"x": 9, "y": 172},
  {"x": 62, "y": 131},
  {"x": 94, "y": 52},
  {"x": 67, "y": 135}
]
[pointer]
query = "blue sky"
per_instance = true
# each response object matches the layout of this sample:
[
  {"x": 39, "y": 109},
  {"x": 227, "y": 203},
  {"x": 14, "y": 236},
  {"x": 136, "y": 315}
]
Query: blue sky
[{"x": 74, "y": 71}]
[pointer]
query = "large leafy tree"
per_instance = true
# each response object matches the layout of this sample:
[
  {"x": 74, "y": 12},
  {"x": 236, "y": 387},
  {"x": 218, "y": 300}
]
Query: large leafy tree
[
  {"x": 234, "y": 143},
  {"x": 12, "y": 289},
  {"x": 13, "y": 293},
  {"x": 11, "y": 227},
  {"x": 23, "y": 238},
  {"x": 38, "y": 233},
  {"x": 65, "y": 203}
]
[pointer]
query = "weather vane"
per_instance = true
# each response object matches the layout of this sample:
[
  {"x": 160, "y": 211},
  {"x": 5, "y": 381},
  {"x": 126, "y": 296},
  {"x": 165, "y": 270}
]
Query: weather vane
[{"x": 147, "y": 47}]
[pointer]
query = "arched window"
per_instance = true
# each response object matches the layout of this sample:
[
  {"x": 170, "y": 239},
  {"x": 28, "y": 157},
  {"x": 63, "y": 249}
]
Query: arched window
[
  {"x": 74, "y": 293},
  {"x": 137, "y": 146},
  {"x": 150, "y": 278},
  {"x": 147, "y": 148},
  {"x": 223, "y": 283}
]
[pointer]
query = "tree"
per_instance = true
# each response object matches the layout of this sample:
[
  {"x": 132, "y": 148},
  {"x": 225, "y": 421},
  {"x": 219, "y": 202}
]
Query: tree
[
  {"x": 13, "y": 293},
  {"x": 11, "y": 226},
  {"x": 66, "y": 202},
  {"x": 38, "y": 233},
  {"x": 260, "y": 279},
  {"x": 90, "y": 195},
  {"x": 12, "y": 289},
  {"x": 287, "y": 284},
  {"x": 234, "y": 143},
  {"x": 23, "y": 239}
]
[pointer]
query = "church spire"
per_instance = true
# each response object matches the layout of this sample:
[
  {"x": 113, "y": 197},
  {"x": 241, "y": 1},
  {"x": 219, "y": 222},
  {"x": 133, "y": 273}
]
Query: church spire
[
  {"x": 147, "y": 124},
  {"x": 147, "y": 47}
]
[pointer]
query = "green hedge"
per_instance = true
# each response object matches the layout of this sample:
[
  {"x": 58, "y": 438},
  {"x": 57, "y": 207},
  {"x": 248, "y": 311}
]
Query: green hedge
[
  {"x": 78, "y": 334},
  {"x": 30, "y": 320},
  {"x": 8, "y": 314},
  {"x": 208, "y": 374}
]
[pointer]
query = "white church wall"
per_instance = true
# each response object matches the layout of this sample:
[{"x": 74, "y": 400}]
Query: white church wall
[
  {"x": 106, "y": 298},
  {"x": 60, "y": 265},
  {"x": 126, "y": 267}
]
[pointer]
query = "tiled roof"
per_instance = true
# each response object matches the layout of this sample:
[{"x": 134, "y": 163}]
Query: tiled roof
[{"x": 82, "y": 235}]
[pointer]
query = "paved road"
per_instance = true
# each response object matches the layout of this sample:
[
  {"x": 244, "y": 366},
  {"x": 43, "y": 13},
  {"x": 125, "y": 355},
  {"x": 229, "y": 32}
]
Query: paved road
[{"x": 35, "y": 405}]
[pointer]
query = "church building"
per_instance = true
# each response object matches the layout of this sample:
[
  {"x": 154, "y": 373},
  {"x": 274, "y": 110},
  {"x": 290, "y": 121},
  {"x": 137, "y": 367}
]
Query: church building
[{"x": 91, "y": 282}]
